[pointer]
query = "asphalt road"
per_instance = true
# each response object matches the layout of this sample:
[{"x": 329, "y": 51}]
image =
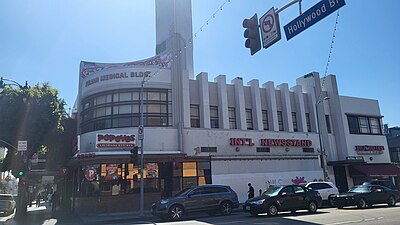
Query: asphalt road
[{"x": 381, "y": 215}]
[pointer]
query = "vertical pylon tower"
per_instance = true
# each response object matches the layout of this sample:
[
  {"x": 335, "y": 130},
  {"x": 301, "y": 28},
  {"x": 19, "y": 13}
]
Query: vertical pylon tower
[
  {"x": 174, "y": 35},
  {"x": 174, "y": 18}
]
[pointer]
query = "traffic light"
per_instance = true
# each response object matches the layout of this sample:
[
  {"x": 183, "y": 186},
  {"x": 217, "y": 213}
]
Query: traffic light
[
  {"x": 134, "y": 155},
  {"x": 21, "y": 173},
  {"x": 252, "y": 33}
]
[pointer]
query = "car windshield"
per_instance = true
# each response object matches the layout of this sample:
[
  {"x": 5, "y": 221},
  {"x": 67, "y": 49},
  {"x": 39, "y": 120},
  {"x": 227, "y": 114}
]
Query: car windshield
[
  {"x": 359, "y": 189},
  {"x": 272, "y": 191},
  {"x": 183, "y": 192}
]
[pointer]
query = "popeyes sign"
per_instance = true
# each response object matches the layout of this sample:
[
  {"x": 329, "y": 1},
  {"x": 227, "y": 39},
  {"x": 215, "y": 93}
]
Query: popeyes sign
[
  {"x": 122, "y": 141},
  {"x": 271, "y": 142}
]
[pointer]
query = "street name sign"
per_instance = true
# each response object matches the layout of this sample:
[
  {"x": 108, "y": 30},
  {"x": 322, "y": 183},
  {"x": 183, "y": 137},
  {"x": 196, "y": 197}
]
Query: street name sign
[
  {"x": 270, "y": 28},
  {"x": 22, "y": 146},
  {"x": 311, "y": 16}
]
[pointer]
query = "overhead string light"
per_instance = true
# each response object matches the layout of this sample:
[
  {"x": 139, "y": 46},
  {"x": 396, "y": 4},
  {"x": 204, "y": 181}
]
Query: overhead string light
[
  {"x": 329, "y": 56},
  {"x": 190, "y": 41}
]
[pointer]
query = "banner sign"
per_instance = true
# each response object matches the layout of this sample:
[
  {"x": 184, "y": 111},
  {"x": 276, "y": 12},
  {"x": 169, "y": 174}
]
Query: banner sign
[{"x": 310, "y": 17}]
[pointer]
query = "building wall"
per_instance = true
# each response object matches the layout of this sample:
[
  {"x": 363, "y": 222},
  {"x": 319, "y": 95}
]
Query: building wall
[{"x": 363, "y": 107}]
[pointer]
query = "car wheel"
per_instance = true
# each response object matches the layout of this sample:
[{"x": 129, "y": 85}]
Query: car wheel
[
  {"x": 361, "y": 203},
  {"x": 272, "y": 210},
  {"x": 225, "y": 208},
  {"x": 330, "y": 200},
  {"x": 312, "y": 207},
  {"x": 391, "y": 201},
  {"x": 175, "y": 212}
]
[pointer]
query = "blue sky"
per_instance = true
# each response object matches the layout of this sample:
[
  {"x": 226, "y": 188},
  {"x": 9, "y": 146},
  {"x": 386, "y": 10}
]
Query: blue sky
[{"x": 44, "y": 41}]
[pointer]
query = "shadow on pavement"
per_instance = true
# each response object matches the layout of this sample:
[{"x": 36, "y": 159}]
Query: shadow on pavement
[{"x": 43, "y": 215}]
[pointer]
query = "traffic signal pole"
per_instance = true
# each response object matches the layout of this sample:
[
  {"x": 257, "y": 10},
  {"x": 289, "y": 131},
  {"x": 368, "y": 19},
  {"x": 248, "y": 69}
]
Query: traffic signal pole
[
  {"x": 252, "y": 32},
  {"x": 288, "y": 5}
]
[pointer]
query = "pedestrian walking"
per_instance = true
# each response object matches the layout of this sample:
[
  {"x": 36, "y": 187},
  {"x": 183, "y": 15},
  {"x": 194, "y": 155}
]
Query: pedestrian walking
[
  {"x": 54, "y": 201},
  {"x": 250, "y": 193},
  {"x": 49, "y": 195},
  {"x": 38, "y": 197}
]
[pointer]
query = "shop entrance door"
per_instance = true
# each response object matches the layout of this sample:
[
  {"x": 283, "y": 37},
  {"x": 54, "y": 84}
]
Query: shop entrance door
[
  {"x": 165, "y": 172},
  {"x": 341, "y": 178}
]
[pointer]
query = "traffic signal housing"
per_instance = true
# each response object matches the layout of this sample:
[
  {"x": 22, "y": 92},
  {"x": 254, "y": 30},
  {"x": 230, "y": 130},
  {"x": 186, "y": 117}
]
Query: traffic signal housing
[
  {"x": 252, "y": 33},
  {"x": 134, "y": 155}
]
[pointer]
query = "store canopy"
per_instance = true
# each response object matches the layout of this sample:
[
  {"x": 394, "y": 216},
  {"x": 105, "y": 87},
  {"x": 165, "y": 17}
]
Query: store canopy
[{"x": 375, "y": 170}]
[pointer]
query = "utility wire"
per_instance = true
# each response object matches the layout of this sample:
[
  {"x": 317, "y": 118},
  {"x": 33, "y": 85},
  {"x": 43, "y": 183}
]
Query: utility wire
[{"x": 329, "y": 56}]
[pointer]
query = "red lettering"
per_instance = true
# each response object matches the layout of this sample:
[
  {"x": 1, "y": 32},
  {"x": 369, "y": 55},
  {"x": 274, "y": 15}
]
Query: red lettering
[
  {"x": 263, "y": 142},
  {"x": 251, "y": 143}
]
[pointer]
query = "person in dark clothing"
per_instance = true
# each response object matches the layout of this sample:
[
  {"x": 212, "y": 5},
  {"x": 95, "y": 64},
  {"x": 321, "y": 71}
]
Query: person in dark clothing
[
  {"x": 54, "y": 201},
  {"x": 251, "y": 191}
]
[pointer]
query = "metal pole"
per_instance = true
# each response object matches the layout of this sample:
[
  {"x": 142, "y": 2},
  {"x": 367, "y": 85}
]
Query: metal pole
[
  {"x": 287, "y": 5},
  {"x": 322, "y": 151},
  {"x": 141, "y": 152}
]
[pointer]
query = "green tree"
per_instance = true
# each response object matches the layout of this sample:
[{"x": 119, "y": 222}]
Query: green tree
[{"x": 34, "y": 114}]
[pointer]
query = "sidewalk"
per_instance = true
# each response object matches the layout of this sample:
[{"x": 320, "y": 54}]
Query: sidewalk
[
  {"x": 89, "y": 219},
  {"x": 42, "y": 215}
]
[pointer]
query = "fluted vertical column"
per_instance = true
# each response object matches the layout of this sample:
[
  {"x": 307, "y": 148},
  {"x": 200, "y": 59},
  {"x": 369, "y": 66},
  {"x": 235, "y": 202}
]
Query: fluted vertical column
[
  {"x": 204, "y": 100},
  {"x": 300, "y": 108},
  {"x": 256, "y": 103},
  {"x": 240, "y": 103},
  {"x": 286, "y": 107},
  {"x": 222, "y": 101},
  {"x": 271, "y": 104}
]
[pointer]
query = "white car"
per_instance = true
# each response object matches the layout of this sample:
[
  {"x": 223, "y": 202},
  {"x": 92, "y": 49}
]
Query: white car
[{"x": 326, "y": 189}]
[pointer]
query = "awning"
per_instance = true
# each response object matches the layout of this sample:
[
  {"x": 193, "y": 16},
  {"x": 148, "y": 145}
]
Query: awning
[{"x": 377, "y": 170}]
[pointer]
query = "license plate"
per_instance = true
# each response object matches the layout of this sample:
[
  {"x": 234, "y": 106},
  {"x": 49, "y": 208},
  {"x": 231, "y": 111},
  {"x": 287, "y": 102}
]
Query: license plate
[{"x": 247, "y": 208}]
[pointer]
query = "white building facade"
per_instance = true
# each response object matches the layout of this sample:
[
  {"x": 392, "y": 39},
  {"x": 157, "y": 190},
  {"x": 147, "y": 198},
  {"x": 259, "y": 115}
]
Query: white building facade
[{"x": 198, "y": 132}]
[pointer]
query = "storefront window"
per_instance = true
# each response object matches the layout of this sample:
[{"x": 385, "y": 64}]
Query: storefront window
[
  {"x": 123, "y": 178},
  {"x": 189, "y": 169},
  {"x": 89, "y": 185}
]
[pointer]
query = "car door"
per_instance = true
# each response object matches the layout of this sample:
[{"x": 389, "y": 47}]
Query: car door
[
  {"x": 196, "y": 199},
  {"x": 376, "y": 194},
  {"x": 299, "y": 197},
  {"x": 286, "y": 198}
]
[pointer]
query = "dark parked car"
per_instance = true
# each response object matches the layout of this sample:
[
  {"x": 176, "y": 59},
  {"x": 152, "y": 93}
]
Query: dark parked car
[
  {"x": 363, "y": 196},
  {"x": 386, "y": 183},
  {"x": 7, "y": 204},
  {"x": 206, "y": 198},
  {"x": 285, "y": 198}
]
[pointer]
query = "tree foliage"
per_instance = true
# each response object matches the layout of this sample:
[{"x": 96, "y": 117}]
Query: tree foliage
[{"x": 34, "y": 114}]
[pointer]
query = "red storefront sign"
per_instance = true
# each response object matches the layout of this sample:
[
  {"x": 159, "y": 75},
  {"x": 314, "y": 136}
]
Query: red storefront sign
[
  {"x": 286, "y": 142},
  {"x": 90, "y": 174},
  {"x": 365, "y": 149},
  {"x": 242, "y": 141}
]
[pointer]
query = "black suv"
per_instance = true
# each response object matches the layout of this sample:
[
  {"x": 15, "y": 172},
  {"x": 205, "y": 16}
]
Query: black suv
[
  {"x": 206, "y": 198},
  {"x": 285, "y": 198}
]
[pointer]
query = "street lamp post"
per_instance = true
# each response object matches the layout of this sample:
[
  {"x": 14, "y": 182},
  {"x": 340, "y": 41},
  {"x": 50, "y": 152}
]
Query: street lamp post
[
  {"x": 322, "y": 150},
  {"x": 141, "y": 137}
]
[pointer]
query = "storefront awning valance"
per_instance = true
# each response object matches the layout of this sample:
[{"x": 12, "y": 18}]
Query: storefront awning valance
[{"x": 375, "y": 170}]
